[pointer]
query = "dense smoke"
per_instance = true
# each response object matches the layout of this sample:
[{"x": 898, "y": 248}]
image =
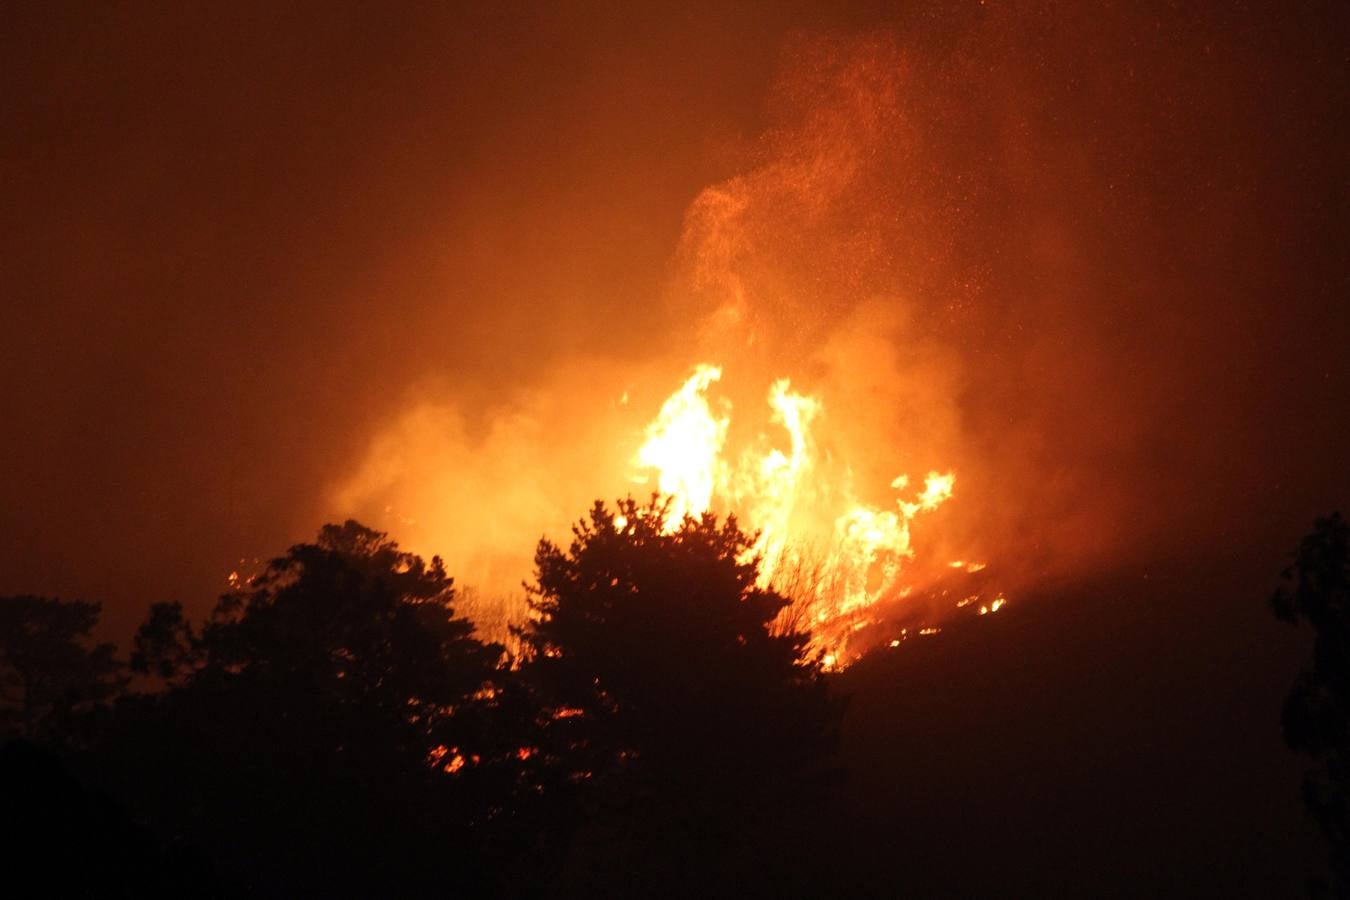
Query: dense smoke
[
  {"x": 1092, "y": 261},
  {"x": 941, "y": 246},
  {"x": 796, "y": 268}
]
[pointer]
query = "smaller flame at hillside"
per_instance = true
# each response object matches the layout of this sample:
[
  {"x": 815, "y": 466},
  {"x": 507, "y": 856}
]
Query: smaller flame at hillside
[{"x": 834, "y": 555}]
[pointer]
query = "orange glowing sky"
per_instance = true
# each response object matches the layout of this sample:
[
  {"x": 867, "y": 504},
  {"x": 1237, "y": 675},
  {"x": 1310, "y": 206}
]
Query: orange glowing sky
[{"x": 1092, "y": 261}]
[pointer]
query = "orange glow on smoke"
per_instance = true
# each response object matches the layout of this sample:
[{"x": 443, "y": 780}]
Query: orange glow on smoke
[{"x": 794, "y": 377}]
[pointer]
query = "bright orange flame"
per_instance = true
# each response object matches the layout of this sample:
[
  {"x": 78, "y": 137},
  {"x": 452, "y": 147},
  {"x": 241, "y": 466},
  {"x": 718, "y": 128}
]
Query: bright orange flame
[
  {"x": 834, "y": 555},
  {"x": 971, "y": 567},
  {"x": 773, "y": 494},
  {"x": 999, "y": 603},
  {"x": 684, "y": 444}
]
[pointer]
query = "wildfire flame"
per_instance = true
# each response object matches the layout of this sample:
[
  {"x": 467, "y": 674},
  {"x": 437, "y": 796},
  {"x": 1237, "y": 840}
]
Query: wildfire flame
[
  {"x": 833, "y": 555},
  {"x": 684, "y": 445}
]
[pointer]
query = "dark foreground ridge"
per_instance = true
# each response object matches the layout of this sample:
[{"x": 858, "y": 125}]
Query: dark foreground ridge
[{"x": 333, "y": 728}]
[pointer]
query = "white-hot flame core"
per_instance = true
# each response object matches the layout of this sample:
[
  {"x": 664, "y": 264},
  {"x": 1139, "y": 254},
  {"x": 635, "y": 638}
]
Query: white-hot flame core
[{"x": 684, "y": 445}]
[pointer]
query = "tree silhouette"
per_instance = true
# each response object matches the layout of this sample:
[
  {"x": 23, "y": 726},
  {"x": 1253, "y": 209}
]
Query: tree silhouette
[
  {"x": 166, "y": 646},
  {"x": 332, "y": 727},
  {"x": 1317, "y": 711},
  {"x": 654, "y": 652},
  {"x": 49, "y": 667}
]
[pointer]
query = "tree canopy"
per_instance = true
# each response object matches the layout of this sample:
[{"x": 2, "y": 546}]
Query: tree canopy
[
  {"x": 658, "y": 641},
  {"x": 703, "y": 733},
  {"x": 49, "y": 666},
  {"x": 311, "y": 720},
  {"x": 332, "y": 726}
]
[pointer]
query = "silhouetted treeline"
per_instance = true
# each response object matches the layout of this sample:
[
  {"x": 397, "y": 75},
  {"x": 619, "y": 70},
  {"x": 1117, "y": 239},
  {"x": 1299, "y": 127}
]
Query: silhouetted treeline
[
  {"x": 1316, "y": 719},
  {"x": 334, "y": 728}
]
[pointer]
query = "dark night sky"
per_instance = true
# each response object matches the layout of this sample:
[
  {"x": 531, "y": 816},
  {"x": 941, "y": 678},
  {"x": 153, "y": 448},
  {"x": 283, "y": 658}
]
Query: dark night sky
[{"x": 234, "y": 240}]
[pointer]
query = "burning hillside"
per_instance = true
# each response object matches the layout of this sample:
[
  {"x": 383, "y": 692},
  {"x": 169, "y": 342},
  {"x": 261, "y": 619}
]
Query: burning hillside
[
  {"x": 840, "y": 559},
  {"x": 811, "y": 397}
]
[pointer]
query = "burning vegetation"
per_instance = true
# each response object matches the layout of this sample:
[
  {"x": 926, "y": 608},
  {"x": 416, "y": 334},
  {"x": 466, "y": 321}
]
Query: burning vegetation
[
  {"x": 976, "y": 297},
  {"x": 799, "y": 387},
  {"x": 839, "y": 559}
]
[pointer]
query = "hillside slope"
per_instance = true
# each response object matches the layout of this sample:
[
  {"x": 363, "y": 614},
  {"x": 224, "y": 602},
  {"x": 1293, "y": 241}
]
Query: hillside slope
[{"x": 1114, "y": 737}]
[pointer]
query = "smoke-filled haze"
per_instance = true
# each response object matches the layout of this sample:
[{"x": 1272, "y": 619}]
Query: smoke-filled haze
[{"x": 439, "y": 271}]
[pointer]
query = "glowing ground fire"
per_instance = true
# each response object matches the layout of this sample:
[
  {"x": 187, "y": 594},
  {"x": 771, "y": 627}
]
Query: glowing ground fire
[{"x": 835, "y": 556}]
